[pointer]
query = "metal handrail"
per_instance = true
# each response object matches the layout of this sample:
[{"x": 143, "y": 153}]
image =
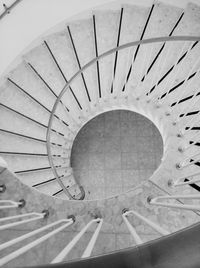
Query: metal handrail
[
  {"x": 80, "y": 71},
  {"x": 8, "y": 9}
]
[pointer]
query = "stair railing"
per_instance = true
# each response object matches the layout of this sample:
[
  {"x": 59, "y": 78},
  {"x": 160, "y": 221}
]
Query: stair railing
[
  {"x": 8, "y": 8},
  {"x": 62, "y": 224},
  {"x": 57, "y": 227},
  {"x": 153, "y": 225},
  {"x": 63, "y": 254},
  {"x": 156, "y": 201},
  {"x": 81, "y": 71}
]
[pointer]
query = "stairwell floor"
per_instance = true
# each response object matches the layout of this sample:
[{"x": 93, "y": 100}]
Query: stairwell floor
[{"x": 115, "y": 152}]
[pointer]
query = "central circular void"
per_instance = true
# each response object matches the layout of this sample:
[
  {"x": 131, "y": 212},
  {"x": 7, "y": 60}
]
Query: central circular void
[{"x": 115, "y": 152}]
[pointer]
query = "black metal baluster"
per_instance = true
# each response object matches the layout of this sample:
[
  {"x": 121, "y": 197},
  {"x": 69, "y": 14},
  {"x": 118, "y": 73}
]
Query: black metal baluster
[
  {"x": 31, "y": 119},
  {"x": 178, "y": 85},
  {"x": 43, "y": 182},
  {"x": 28, "y": 137},
  {"x": 193, "y": 185},
  {"x": 161, "y": 49},
  {"x": 96, "y": 52},
  {"x": 57, "y": 192},
  {"x": 137, "y": 49},
  {"x": 21, "y": 135},
  {"x": 46, "y": 84},
  {"x": 28, "y": 154},
  {"x": 22, "y": 153},
  {"x": 185, "y": 99},
  {"x": 118, "y": 40},
  {"x": 35, "y": 100},
  {"x": 35, "y": 169},
  {"x": 78, "y": 62},
  {"x": 64, "y": 77}
]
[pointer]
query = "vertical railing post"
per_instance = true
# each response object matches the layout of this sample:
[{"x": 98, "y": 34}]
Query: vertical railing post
[
  {"x": 6, "y": 204},
  {"x": 60, "y": 257},
  {"x": 34, "y": 216},
  {"x": 36, "y": 242},
  {"x": 132, "y": 230},
  {"x": 153, "y": 225},
  {"x": 92, "y": 242}
]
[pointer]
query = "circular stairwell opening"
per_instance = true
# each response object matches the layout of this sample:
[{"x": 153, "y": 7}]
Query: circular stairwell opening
[{"x": 115, "y": 152}]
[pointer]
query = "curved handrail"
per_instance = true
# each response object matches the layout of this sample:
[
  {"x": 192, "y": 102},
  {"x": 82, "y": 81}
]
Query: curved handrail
[
  {"x": 80, "y": 71},
  {"x": 177, "y": 250},
  {"x": 82, "y": 192},
  {"x": 9, "y": 8}
]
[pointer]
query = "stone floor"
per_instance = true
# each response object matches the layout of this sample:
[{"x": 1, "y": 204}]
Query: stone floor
[{"x": 114, "y": 152}]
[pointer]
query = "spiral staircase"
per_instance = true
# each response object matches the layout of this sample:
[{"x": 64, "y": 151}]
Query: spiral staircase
[{"x": 124, "y": 56}]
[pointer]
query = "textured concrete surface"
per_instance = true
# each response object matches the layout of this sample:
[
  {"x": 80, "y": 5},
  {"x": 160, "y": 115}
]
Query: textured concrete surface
[
  {"x": 109, "y": 167},
  {"x": 114, "y": 233},
  {"x": 114, "y": 152}
]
